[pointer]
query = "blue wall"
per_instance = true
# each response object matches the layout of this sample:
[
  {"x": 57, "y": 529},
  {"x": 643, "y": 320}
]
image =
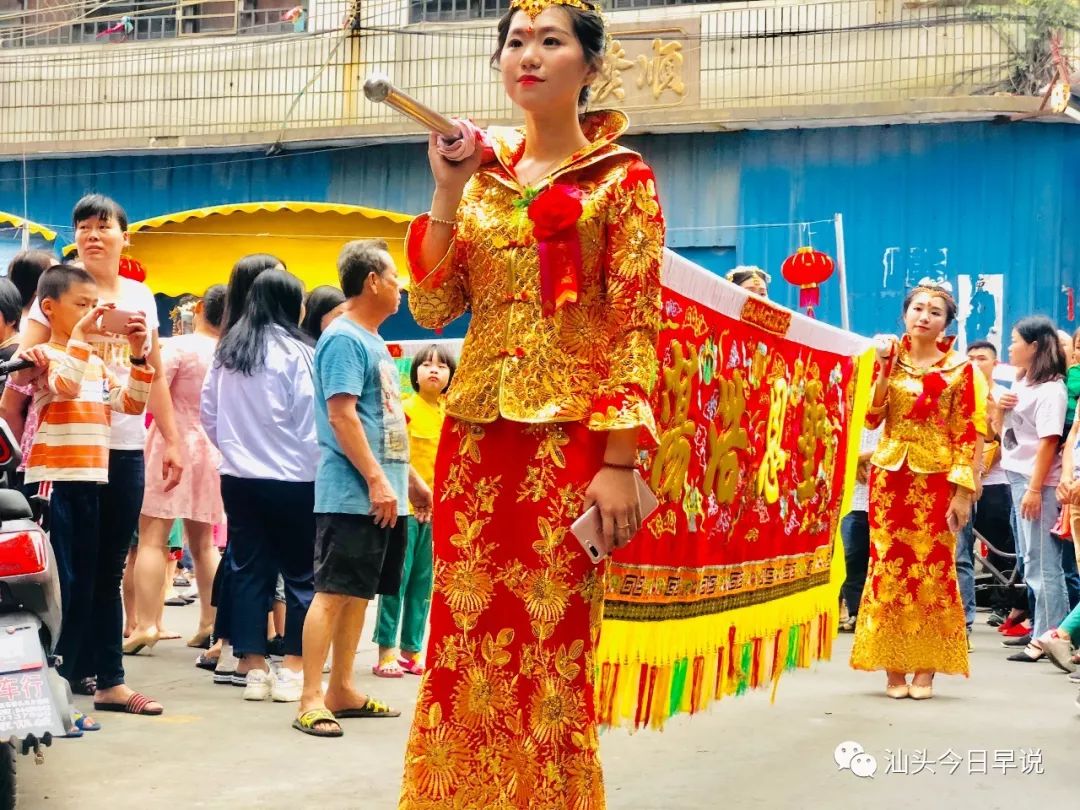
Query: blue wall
[{"x": 962, "y": 201}]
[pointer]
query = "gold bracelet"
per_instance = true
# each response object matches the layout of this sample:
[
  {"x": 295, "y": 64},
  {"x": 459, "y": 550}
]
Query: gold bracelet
[{"x": 451, "y": 222}]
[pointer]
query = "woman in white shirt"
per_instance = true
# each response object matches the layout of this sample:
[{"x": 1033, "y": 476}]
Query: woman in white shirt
[
  {"x": 258, "y": 409},
  {"x": 1032, "y": 434}
]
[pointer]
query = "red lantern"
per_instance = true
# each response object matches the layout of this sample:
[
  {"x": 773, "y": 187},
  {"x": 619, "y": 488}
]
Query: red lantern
[
  {"x": 807, "y": 269},
  {"x": 131, "y": 268}
]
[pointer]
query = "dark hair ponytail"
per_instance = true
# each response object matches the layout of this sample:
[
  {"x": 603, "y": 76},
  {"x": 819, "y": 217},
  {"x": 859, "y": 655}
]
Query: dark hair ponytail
[
  {"x": 1049, "y": 361},
  {"x": 243, "y": 275},
  {"x": 275, "y": 300}
]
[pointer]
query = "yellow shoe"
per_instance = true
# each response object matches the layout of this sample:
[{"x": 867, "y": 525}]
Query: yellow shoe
[
  {"x": 921, "y": 692},
  {"x": 897, "y": 692}
]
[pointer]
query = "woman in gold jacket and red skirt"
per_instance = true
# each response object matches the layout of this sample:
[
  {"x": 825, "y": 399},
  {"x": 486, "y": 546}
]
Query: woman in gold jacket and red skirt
[
  {"x": 553, "y": 240},
  {"x": 922, "y": 483}
]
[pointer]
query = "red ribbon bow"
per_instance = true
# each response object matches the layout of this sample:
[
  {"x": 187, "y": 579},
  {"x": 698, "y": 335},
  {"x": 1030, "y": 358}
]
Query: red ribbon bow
[{"x": 555, "y": 213}]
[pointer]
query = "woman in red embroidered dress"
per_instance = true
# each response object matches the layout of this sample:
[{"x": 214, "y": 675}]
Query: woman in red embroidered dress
[
  {"x": 553, "y": 240},
  {"x": 922, "y": 482}
]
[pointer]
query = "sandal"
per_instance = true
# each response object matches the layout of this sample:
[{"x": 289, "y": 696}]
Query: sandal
[
  {"x": 136, "y": 704},
  {"x": 308, "y": 723},
  {"x": 411, "y": 665},
  {"x": 206, "y": 662},
  {"x": 84, "y": 723},
  {"x": 371, "y": 708},
  {"x": 387, "y": 668},
  {"x": 85, "y": 686}
]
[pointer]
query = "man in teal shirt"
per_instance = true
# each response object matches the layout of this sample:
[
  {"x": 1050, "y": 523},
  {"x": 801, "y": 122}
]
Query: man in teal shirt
[{"x": 362, "y": 489}]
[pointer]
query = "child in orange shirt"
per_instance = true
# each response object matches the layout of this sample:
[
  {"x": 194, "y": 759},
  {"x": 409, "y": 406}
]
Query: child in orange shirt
[{"x": 74, "y": 393}]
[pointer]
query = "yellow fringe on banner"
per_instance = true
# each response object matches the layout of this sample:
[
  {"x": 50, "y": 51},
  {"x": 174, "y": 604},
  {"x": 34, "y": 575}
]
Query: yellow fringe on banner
[{"x": 648, "y": 671}]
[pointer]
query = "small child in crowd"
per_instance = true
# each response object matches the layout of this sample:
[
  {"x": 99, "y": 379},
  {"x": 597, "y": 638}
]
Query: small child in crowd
[
  {"x": 432, "y": 371},
  {"x": 74, "y": 393}
]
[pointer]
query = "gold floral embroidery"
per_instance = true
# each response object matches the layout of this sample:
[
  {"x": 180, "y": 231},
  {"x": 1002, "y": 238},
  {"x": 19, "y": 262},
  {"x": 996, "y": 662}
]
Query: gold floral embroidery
[
  {"x": 438, "y": 761},
  {"x": 481, "y": 696},
  {"x": 943, "y": 442},
  {"x": 911, "y": 617},
  {"x": 517, "y": 363},
  {"x": 516, "y": 732},
  {"x": 554, "y": 709}
]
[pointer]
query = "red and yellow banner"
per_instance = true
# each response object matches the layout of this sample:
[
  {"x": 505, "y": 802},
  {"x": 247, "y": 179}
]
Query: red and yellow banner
[{"x": 735, "y": 578}]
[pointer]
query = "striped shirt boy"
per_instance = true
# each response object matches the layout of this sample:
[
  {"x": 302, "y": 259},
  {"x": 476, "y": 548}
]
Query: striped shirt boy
[{"x": 75, "y": 398}]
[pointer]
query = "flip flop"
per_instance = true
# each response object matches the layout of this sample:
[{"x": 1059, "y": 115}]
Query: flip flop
[
  {"x": 372, "y": 708},
  {"x": 136, "y": 704},
  {"x": 84, "y": 723},
  {"x": 306, "y": 723},
  {"x": 176, "y": 601},
  {"x": 387, "y": 669},
  {"x": 206, "y": 662},
  {"x": 412, "y": 666}
]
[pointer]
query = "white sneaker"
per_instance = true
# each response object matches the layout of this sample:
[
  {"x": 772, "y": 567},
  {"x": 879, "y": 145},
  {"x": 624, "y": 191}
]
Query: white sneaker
[
  {"x": 258, "y": 684},
  {"x": 287, "y": 686}
]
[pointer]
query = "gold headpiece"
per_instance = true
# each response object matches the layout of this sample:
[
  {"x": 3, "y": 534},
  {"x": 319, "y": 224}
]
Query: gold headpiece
[
  {"x": 748, "y": 268},
  {"x": 939, "y": 288},
  {"x": 534, "y": 8}
]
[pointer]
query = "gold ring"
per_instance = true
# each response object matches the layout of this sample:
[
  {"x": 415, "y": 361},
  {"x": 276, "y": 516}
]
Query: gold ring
[{"x": 625, "y": 526}]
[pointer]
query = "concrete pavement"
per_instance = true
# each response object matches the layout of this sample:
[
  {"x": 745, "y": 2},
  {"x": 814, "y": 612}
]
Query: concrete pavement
[{"x": 213, "y": 750}]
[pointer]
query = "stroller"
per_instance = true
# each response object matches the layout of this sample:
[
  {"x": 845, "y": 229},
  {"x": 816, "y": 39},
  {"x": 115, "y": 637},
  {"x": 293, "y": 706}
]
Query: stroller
[{"x": 994, "y": 583}]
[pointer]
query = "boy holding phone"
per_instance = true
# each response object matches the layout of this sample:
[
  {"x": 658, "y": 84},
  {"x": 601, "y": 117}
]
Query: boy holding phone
[{"x": 74, "y": 393}]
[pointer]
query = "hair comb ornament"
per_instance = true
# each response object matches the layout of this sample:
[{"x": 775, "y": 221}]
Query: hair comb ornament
[{"x": 534, "y": 8}]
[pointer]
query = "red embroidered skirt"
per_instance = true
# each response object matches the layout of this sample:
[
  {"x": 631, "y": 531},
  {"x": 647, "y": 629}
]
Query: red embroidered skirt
[
  {"x": 505, "y": 714},
  {"x": 911, "y": 616}
]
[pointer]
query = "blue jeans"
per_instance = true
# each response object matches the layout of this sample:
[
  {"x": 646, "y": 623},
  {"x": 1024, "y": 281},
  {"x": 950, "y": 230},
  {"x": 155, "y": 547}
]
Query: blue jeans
[
  {"x": 965, "y": 570},
  {"x": 1072, "y": 574},
  {"x": 855, "y": 532},
  {"x": 1043, "y": 568}
]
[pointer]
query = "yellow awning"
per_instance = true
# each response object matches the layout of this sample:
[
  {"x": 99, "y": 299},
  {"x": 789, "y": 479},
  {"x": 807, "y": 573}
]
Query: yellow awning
[
  {"x": 19, "y": 222},
  {"x": 188, "y": 251}
]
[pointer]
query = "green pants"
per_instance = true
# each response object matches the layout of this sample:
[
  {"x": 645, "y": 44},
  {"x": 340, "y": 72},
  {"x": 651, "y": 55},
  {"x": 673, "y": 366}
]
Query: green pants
[
  {"x": 410, "y": 607},
  {"x": 1071, "y": 625}
]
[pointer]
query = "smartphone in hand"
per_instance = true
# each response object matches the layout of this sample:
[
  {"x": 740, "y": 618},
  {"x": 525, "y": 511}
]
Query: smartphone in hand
[
  {"x": 589, "y": 529},
  {"x": 116, "y": 320}
]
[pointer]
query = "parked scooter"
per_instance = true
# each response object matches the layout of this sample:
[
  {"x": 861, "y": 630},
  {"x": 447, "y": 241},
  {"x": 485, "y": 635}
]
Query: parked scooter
[{"x": 35, "y": 702}]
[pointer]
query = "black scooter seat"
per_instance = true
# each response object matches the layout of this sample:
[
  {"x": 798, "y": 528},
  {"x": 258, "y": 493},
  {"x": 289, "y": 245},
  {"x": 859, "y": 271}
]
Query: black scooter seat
[{"x": 14, "y": 506}]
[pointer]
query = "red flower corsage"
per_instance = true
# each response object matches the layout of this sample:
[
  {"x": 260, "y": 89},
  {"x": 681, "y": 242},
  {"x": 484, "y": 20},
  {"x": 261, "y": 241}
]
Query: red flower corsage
[
  {"x": 555, "y": 213},
  {"x": 132, "y": 268},
  {"x": 933, "y": 384}
]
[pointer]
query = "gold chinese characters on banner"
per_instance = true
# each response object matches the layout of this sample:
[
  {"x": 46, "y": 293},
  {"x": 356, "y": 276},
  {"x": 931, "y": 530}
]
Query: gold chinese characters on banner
[{"x": 649, "y": 67}]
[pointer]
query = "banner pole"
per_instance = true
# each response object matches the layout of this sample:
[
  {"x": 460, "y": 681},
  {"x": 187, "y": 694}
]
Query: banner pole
[{"x": 841, "y": 266}]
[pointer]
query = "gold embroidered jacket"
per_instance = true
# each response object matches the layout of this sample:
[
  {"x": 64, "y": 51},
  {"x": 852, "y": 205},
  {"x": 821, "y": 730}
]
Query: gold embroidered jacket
[
  {"x": 935, "y": 433},
  {"x": 593, "y": 359}
]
